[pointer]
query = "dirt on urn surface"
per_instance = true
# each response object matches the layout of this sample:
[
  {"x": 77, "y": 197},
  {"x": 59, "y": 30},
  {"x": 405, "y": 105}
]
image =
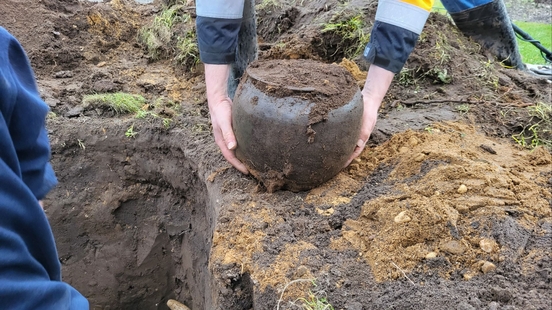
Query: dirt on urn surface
[{"x": 442, "y": 209}]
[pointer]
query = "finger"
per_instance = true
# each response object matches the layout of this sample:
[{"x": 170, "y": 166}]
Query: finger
[
  {"x": 231, "y": 158},
  {"x": 228, "y": 153},
  {"x": 227, "y": 133},
  {"x": 358, "y": 150}
]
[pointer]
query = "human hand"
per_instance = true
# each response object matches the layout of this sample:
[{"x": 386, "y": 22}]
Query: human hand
[
  {"x": 220, "y": 108},
  {"x": 376, "y": 86},
  {"x": 369, "y": 118},
  {"x": 221, "y": 118}
]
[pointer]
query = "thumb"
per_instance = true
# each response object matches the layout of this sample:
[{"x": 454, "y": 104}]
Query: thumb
[{"x": 228, "y": 134}]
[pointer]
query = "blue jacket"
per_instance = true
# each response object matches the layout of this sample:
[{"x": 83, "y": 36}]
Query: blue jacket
[{"x": 30, "y": 272}]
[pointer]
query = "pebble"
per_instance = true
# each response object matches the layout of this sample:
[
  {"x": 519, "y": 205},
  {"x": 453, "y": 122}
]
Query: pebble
[
  {"x": 402, "y": 218},
  {"x": 403, "y": 149},
  {"x": 63, "y": 74},
  {"x": 101, "y": 64},
  {"x": 453, "y": 247},
  {"x": 468, "y": 276},
  {"x": 413, "y": 141},
  {"x": 462, "y": 209},
  {"x": 301, "y": 271},
  {"x": 175, "y": 305},
  {"x": 74, "y": 112},
  {"x": 326, "y": 212},
  {"x": 419, "y": 157},
  {"x": 431, "y": 255},
  {"x": 487, "y": 245},
  {"x": 487, "y": 267},
  {"x": 462, "y": 189}
]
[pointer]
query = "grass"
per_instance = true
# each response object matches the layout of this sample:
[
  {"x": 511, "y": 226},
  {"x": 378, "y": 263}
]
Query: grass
[
  {"x": 539, "y": 131},
  {"x": 171, "y": 34},
  {"x": 312, "y": 302},
  {"x": 120, "y": 103},
  {"x": 158, "y": 35},
  {"x": 541, "y": 32},
  {"x": 350, "y": 29}
]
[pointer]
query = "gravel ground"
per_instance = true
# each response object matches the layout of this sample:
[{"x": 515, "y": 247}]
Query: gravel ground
[{"x": 530, "y": 11}]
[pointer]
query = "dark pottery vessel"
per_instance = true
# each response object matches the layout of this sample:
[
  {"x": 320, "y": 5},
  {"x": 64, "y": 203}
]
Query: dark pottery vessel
[{"x": 287, "y": 134}]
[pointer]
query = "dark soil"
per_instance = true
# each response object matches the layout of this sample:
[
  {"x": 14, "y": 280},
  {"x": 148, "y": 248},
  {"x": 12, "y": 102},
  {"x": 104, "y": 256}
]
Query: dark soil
[{"x": 440, "y": 197}]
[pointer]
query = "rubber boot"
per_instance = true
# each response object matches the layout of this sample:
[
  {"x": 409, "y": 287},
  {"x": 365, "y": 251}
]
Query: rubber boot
[
  {"x": 246, "y": 51},
  {"x": 490, "y": 26}
]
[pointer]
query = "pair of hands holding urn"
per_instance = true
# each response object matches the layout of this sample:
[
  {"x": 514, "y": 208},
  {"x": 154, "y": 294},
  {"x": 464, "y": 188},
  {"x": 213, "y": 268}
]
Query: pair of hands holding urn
[{"x": 220, "y": 107}]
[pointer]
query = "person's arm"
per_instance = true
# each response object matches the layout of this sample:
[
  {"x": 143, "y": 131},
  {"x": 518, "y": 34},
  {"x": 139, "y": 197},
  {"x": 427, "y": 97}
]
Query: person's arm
[
  {"x": 395, "y": 33},
  {"x": 25, "y": 113},
  {"x": 30, "y": 272},
  {"x": 218, "y": 24}
]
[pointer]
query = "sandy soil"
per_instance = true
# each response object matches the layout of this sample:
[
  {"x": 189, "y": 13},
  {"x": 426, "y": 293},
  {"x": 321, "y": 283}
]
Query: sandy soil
[{"x": 442, "y": 210}]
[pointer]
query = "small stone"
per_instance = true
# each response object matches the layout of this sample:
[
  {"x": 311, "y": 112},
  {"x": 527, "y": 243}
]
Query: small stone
[
  {"x": 301, "y": 271},
  {"x": 402, "y": 218},
  {"x": 431, "y": 255},
  {"x": 101, "y": 64},
  {"x": 493, "y": 305},
  {"x": 419, "y": 157},
  {"x": 453, "y": 247},
  {"x": 487, "y": 267},
  {"x": 326, "y": 212},
  {"x": 462, "y": 209},
  {"x": 175, "y": 305},
  {"x": 403, "y": 149},
  {"x": 413, "y": 141},
  {"x": 74, "y": 112},
  {"x": 63, "y": 74},
  {"x": 462, "y": 189},
  {"x": 92, "y": 283},
  {"x": 468, "y": 276},
  {"x": 487, "y": 245},
  {"x": 51, "y": 102},
  {"x": 105, "y": 86}
]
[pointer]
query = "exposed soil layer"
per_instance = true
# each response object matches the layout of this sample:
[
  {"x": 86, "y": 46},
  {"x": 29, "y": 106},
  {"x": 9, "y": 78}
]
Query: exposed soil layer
[{"x": 442, "y": 210}]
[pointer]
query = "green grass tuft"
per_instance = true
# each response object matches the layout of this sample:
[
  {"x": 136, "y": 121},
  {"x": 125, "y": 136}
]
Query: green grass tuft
[
  {"x": 171, "y": 34},
  {"x": 120, "y": 103},
  {"x": 539, "y": 130},
  {"x": 350, "y": 29}
]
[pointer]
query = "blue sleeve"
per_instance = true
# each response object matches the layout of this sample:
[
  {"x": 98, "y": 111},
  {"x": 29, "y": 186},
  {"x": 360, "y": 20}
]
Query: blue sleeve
[
  {"x": 24, "y": 113},
  {"x": 30, "y": 272},
  {"x": 389, "y": 46},
  {"x": 218, "y": 24},
  {"x": 217, "y": 39},
  {"x": 396, "y": 31}
]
